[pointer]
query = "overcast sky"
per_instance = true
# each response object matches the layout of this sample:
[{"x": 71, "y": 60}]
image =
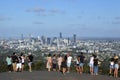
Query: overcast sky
[{"x": 85, "y": 18}]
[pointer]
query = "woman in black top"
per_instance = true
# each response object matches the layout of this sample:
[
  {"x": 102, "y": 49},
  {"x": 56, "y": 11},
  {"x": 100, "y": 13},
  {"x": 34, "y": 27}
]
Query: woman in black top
[
  {"x": 64, "y": 65},
  {"x": 95, "y": 65},
  {"x": 30, "y": 60}
]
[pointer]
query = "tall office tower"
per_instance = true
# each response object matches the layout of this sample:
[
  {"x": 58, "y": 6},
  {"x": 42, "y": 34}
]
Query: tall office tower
[
  {"x": 48, "y": 41},
  {"x": 68, "y": 40},
  {"x": 43, "y": 38},
  {"x": 22, "y": 37},
  {"x": 60, "y": 35},
  {"x": 74, "y": 38}
]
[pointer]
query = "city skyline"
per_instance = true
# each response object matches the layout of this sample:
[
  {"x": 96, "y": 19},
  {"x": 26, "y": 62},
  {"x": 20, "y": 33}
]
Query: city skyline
[{"x": 85, "y": 18}]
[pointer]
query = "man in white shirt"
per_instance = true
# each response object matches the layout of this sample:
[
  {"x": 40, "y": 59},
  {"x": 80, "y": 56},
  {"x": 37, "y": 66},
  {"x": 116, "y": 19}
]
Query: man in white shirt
[{"x": 69, "y": 60}]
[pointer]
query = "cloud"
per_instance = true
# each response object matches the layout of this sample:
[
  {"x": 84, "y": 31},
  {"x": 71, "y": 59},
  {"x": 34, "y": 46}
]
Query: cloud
[
  {"x": 37, "y": 22},
  {"x": 4, "y": 18},
  {"x": 63, "y": 12},
  {"x": 116, "y": 22},
  {"x": 37, "y": 9},
  {"x": 98, "y": 17},
  {"x": 41, "y": 15},
  {"x": 54, "y": 11},
  {"x": 44, "y": 12},
  {"x": 73, "y": 0},
  {"x": 57, "y": 11},
  {"x": 29, "y": 10},
  {"x": 117, "y": 18},
  {"x": 79, "y": 17},
  {"x": 78, "y": 25}
]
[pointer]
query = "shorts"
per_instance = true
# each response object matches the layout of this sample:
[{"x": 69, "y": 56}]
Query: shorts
[
  {"x": 81, "y": 64},
  {"x": 19, "y": 65},
  {"x": 116, "y": 66},
  {"x": 23, "y": 63},
  {"x": 112, "y": 66},
  {"x": 77, "y": 64},
  {"x": 91, "y": 65},
  {"x": 68, "y": 64},
  {"x": 30, "y": 63}
]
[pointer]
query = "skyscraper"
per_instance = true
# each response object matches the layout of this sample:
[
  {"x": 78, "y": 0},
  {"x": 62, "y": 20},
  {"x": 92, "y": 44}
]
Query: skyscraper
[
  {"x": 74, "y": 38},
  {"x": 60, "y": 35},
  {"x": 68, "y": 40},
  {"x": 21, "y": 36},
  {"x": 48, "y": 41},
  {"x": 43, "y": 38}
]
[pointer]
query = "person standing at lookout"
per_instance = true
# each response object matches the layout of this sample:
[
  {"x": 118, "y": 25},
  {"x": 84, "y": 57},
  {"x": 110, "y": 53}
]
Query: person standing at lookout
[
  {"x": 69, "y": 60},
  {"x": 14, "y": 61},
  {"x": 77, "y": 63},
  {"x": 49, "y": 62},
  {"x": 64, "y": 64},
  {"x": 111, "y": 66},
  {"x": 9, "y": 63},
  {"x": 91, "y": 64},
  {"x": 116, "y": 66},
  {"x": 59, "y": 61},
  {"x": 81, "y": 63},
  {"x": 95, "y": 65},
  {"x": 19, "y": 63},
  {"x": 54, "y": 62},
  {"x": 23, "y": 61},
  {"x": 30, "y": 61}
]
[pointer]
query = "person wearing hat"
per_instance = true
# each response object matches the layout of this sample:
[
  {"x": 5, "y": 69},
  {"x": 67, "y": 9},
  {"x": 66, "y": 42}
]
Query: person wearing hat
[{"x": 116, "y": 66}]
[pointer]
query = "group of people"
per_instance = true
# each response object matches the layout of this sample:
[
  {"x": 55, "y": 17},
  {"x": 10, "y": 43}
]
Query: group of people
[
  {"x": 16, "y": 62},
  {"x": 114, "y": 66},
  {"x": 64, "y": 63},
  {"x": 61, "y": 63}
]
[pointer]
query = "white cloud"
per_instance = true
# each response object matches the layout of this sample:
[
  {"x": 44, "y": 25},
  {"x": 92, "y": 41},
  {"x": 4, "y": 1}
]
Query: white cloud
[
  {"x": 3, "y": 18},
  {"x": 37, "y": 22}
]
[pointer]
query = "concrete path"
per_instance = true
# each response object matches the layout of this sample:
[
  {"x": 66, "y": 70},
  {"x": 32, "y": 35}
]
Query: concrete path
[{"x": 44, "y": 75}]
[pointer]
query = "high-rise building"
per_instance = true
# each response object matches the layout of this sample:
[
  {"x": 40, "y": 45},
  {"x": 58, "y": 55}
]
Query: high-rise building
[
  {"x": 43, "y": 38},
  {"x": 60, "y": 35},
  {"x": 74, "y": 38},
  {"x": 68, "y": 40},
  {"x": 48, "y": 41},
  {"x": 22, "y": 37}
]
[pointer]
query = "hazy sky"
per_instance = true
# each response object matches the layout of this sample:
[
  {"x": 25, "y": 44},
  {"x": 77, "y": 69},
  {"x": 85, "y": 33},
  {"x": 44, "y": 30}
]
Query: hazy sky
[{"x": 86, "y": 18}]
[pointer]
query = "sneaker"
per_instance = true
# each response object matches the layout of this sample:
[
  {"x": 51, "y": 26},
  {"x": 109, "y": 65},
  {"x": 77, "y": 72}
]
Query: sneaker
[
  {"x": 63, "y": 73},
  {"x": 92, "y": 74},
  {"x": 30, "y": 70},
  {"x": 9, "y": 71},
  {"x": 96, "y": 74},
  {"x": 68, "y": 72}
]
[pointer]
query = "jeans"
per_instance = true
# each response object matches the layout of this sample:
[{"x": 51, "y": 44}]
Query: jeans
[{"x": 95, "y": 69}]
